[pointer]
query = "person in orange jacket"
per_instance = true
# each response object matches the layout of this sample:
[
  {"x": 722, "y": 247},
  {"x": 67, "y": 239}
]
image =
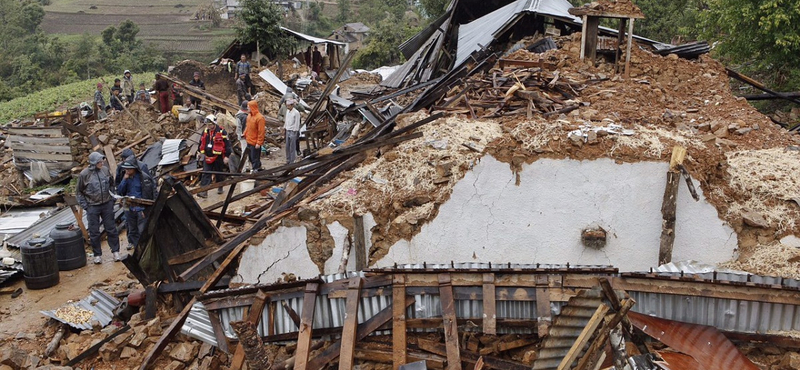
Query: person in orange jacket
[{"x": 254, "y": 134}]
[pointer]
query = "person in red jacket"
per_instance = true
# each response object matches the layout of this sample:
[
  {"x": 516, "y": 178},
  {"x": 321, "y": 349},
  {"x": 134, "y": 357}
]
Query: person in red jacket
[
  {"x": 216, "y": 148},
  {"x": 162, "y": 90},
  {"x": 254, "y": 133}
]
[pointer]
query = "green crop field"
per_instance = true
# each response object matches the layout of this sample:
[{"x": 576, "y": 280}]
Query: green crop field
[{"x": 60, "y": 97}]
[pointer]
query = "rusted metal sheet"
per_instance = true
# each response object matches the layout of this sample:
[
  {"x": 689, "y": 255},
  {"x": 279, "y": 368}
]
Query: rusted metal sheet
[
  {"x": 678, "y": 361},
  {"x": 705, "y": 344}
]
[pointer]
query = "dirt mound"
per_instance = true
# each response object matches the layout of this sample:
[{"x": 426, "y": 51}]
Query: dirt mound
[{"x": 572, "y": 109}]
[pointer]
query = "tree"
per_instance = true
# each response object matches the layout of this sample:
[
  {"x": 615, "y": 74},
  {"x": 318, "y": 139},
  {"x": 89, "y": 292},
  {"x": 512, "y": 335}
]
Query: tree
[
  {"x": 381, "y": 48},
  {"x": 344, "y": 12},
  {"x": 433, "y": 8},
  {"x": 260, "y": 23},
  {"x": 761, "y": 35}
]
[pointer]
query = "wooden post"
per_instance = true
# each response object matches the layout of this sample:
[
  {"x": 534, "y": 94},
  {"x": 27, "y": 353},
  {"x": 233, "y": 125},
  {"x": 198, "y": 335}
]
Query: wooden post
[
  {"x": 360, "y": 243},
  {"x": 602, "y": 337},
  {"x": 543, "y": 315},
  {"x": 620, "y": 40},
  {"x": 669, "y": 205},
  {"x": 591, "y": 37},
  {"x": 112, "y": 162},
  {"x": 347, "y": 352},
  {"x": 449, "y": 323},
  {"x": 399, "y": 344},
  {"x": 583, "y": 37},
  {"x": 306, "y": 324},
  {"x": 628, "y": 54},
  {"x": 489, "y": 305}
]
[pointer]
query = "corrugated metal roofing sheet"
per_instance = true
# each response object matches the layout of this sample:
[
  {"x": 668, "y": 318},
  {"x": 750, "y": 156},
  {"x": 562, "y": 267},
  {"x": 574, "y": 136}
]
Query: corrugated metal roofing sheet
[
  {"x": 99, "y": 302},
  {"x": 198, "y": 325},
  {"x": 310, "y": 38},
  {"x": 17, "y": 220},
  {"x": 8, "y": 274},
  {"x": 43, "y": 227},
  {"x": 170, "y": 151}
]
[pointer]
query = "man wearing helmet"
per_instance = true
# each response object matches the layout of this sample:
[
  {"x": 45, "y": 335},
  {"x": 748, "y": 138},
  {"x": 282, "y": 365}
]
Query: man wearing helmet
[{"x": 216, "y": 148}]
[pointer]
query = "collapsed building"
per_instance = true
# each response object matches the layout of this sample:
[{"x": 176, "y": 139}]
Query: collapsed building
[{"x": 519, "y": 194}]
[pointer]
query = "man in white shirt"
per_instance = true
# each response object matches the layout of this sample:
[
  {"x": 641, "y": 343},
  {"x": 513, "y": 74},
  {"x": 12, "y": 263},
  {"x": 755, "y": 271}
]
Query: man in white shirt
[{"x": 292, "y": 129}]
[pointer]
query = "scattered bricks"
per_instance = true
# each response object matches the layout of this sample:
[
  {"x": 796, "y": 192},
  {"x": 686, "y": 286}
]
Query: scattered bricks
[
  {"x": 138, "y": 339},
  {"x": 153, "y": 327},
  {"x": 128, "y": 352},
  {"x": 591, "y": 137},
  {"x": 13, "y": 357},
  {"x": 722, "y": 132},
  {"x": 743, "y": 131},
  {"x": 417, "y": 200},
  {"x": 136, "y": 319},
  {"x": 122, "y": 339},
  {"x": 307, "y": 214},
  {"x": 184, "y": 351},
  {"x": 753, "y": 219},
  {"x": 109, "y": 352},
  {"x": 791, "y": 360},
  {"x": 103, "y": 138},
  {"x": 33, "y": 361},
  {"x": 704, "y": 127},
  {"x": 205, "y": 350},
  {"x": 391, "y": 156},
  {"x": 175, "y": 365},
  {"x": 194, "y": 366}
]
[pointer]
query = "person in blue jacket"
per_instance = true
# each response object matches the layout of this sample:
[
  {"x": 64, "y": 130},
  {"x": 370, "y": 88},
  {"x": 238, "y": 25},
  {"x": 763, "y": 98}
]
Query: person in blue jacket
[{"x": 137, "y": 184}]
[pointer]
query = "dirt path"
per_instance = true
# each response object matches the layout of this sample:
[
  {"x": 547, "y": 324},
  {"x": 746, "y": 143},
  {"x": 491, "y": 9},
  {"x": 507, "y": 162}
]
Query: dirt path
[{"x": 21, "y": 314}]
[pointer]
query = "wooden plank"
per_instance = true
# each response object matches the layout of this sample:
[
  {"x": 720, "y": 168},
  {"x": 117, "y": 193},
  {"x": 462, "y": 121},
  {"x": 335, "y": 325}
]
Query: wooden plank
[
  {"x": 385, "y": 356},
  {"x": 292, "y": 315},
  {"x": 543, "y": 313},
  {"x": 44, "y": 156},
  {"x": 449, "y": 323},
  {"x": 253, "y": 316},
  {"x": 40, "y": 148},
  {"x": 668, "y": 214},
  {"x": 399, "y": 321},
  {"x": 360, "y": 243},
  {"x": 471, "y": 357},
  {"x": 112, "y": 162},
  {"x": 350, "y": 324},
  {"x": 222, "y": 341},
  {"x": 583, "y": 338},
  {"x": 41, "y": 131},
  {"x": 705, "y": 289},
  {"x": 365, "y": 329},
  {"x": 628, "y": 54},
  {"x": 306, "y": 326},
  {"x": 17, "y": 139},
  {"x": 591, "y": 37},
  {"x": 489, "y": 305},
  {"x": 189, "y": 256},
  {"x": 602, "y": 338},
  {"x": 131, "y": 145},
  {"x": 151, "y": 299}
]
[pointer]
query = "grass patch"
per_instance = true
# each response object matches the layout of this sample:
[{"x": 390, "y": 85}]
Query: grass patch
[{"x": 60, "y": 97}]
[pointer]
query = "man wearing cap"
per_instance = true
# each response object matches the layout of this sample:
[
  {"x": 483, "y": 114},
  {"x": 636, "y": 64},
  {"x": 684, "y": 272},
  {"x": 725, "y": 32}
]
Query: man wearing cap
[
  {"x": 196, "y": 82},
  {"x": 289, "y": 94},
  {"x": 217, "y": 148},
  {"x": 292, "y": 129},
  {"x": 143, "y": 95},
  {"x": 241, "y": 88},
  {"x": 128, "y": 89},
  {"x": 137, "y": 184},
  {"x": 254, "y": 134},
  {"x": 94, "y": 195}
]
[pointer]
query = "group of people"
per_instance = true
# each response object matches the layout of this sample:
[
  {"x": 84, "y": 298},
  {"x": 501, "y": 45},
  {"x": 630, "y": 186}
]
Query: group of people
[
  {"x": 121, "y": 94},
  {"x": 94, "y": 191}
]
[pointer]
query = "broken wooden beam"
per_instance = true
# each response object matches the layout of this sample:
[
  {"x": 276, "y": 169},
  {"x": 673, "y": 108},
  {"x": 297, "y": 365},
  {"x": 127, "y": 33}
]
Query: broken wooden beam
[
  {"x": 350, "y": 324},
  {"x": 449, "y": 323},
  {"x": 250, "y": 346},
  {"x": 669, "y": 205},
  {"x": 306, "y": 326},
  {"x": 399, "y": 356}
]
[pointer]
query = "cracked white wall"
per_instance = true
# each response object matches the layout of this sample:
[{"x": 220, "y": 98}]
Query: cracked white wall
[{"x": 489, "y": 218}]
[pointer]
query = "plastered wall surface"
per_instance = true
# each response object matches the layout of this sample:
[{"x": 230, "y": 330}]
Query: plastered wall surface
[{"x": 490, "y": 219}]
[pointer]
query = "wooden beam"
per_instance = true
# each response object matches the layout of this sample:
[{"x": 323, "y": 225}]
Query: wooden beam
[
  {"x": 449, "y": 323},
  {"x": 583, "y": 338},
  {"x": 707, "y": 289},
  {"x": 306, "y": 326},
  {"x": 489, "y": 305},
  {"x": 668, "y": 214},
  {"x": 292, "y": 315},
  {"x": 222, "y": 341},
  {"x": 112, "y": 162},
  {"x": 360, "y": 242},
  {"x": 150, "y": 302},
  {"x": 399, "y": 321},
  {"x": 231, "y": 189},
  {"x": 600, "y": 342},
  {"x": 131, "y": 145},
  {"x": 543, "y": 313},
  {"x": 628, "y": 53},
  {"x": 253, "y": 317},
  {"x": 350, "y": 324},
  {"x": 189, "y": 256}
]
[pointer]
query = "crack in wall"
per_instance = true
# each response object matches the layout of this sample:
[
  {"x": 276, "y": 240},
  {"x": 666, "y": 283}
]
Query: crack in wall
[{"x": 258, "y": 279}]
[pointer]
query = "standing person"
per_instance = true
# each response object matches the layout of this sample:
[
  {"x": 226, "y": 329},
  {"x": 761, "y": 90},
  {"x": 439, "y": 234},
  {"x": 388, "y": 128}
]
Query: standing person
[
  {"x": 118, "y": 88},
  {"x": 116, "y": 99},
  {"x": 128, "y": 90},
  {"x": 142, "y": 95},
  {"x": 316, "y": 60},
  {"x": 289, "y": 94},
  {"x": 307, "y": 57},
  {"x": 162, "y": 89},
  {"x": 254, "y": 134},
  {"x": 241, "y": 88},
  {"x": 196, "y": 82},
  {"x": 138, "y": 184},
  {"x": 217, "y": 149},
  {"x": 292, "y": 129},
  {"x": 94, "y": 195},
  {"x": 101, "y": 101},
  {"x": 241, "y": 125},
  {"x": 243, "y": 66}
]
